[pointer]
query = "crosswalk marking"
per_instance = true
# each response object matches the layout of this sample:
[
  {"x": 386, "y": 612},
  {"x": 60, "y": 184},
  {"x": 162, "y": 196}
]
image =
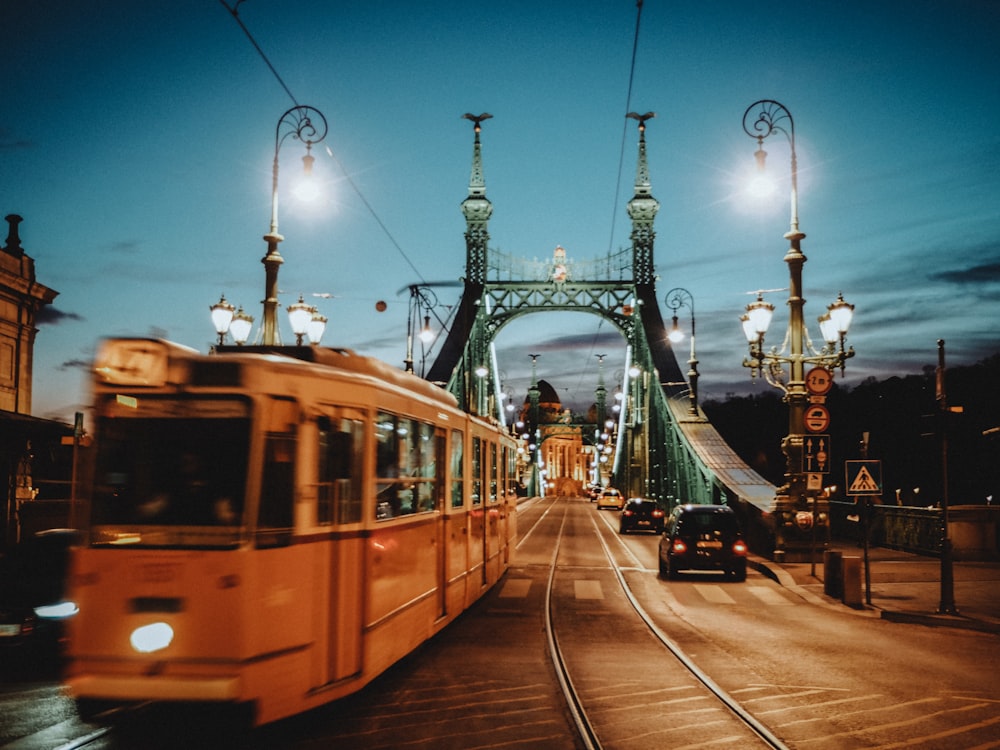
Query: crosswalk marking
[
  {"x": 515, "y": 588},
  {"x": 714, "y": 594},
  {"x": 769, "y": 596},
  {"x": 588, "y": 590}
]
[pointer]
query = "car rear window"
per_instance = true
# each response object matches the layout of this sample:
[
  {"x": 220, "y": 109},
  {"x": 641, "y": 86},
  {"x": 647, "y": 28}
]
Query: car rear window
[{"x": 697, "y": 522}]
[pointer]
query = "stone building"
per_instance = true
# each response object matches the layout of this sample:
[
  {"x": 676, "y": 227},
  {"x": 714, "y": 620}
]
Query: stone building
[{"x": 32, "y": 455}]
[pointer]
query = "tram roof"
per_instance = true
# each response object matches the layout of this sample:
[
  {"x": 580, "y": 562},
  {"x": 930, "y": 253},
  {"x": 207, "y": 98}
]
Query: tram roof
[{"x": 348, "y": 360}]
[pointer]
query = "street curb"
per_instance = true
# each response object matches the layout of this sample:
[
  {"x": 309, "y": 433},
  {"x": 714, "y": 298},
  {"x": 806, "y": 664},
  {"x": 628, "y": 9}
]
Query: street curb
[
  {"x": 782, "y": 577},
  {"x": 947, "y": 621}
]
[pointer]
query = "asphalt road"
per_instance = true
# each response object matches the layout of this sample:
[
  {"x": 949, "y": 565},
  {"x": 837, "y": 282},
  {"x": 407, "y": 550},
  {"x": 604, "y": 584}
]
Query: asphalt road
[{"x": 817, "y": 676}]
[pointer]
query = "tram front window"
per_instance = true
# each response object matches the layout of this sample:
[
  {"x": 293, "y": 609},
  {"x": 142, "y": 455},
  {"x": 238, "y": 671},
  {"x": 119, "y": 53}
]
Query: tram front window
[{"x": 170, "y": 481}]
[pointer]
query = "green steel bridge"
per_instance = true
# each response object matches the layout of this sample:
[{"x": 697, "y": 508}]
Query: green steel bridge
[{"x": 668, "y": 450}]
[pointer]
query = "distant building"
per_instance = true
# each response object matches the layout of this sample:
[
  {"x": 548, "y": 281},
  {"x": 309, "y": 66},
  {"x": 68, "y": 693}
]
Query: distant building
[
  {"x": 32, "y": 459},
  {"x": 21, "y": 297},
  {"x": 565, "y": 459}
]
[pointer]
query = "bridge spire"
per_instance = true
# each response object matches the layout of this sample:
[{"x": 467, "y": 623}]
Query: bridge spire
[
  {"x": 477, "y": 210},
  {"x": 642, "y": 210}
]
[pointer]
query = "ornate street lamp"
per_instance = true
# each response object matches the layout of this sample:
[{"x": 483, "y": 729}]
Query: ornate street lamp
[
  {"x": 761, "y": 120},
  {"x": 316, "y": 327},
  {"x": 222, "y": 316},
  {"x": 308, "y": 125},
  {"x": 300, "y": 315},
  {"x": 240, "y": 327},
  {"x": 422, "y": 302},
  {"x": 676, "y": 299}
]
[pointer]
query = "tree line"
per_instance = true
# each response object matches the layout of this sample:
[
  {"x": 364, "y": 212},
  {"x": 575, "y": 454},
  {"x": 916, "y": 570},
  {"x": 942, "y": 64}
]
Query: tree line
[{"x": 906, "y": 428}]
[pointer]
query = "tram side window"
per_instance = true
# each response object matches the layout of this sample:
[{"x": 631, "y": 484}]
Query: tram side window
[
  {"x": 493, "y": 472},
  {"x": 477, "y": 471},
  {"x": 274, "y": 521},
  {"x": 405, "y": 466},
  {"x": 457, "y": 446},
  {"x": 340, "y": 457}
]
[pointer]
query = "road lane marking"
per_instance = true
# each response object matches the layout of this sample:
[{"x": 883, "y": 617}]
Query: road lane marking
[
  {"x": 714, "y": 594},
  {"x": 769, "y": 596},
  {"x": 515, "y": 588},
  {"x": 588, "y": 590}
]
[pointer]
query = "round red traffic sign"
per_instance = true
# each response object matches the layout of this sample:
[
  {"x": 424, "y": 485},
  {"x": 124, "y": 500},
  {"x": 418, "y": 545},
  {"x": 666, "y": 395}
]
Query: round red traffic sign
[
  {"x": 817, "y": 418},
  {"x": 819, "y": 381}
]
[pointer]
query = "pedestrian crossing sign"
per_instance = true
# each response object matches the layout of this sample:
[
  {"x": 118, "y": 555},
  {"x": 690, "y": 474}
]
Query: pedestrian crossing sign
[{"x": 864, "y": 477}]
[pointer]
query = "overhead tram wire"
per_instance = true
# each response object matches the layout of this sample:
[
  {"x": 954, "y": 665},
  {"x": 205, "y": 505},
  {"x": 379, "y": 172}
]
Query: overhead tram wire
[
  {"x": 628, "y": 108},
  {"x": 621, "y": 162},
  {"x": 234, "y": 12}
]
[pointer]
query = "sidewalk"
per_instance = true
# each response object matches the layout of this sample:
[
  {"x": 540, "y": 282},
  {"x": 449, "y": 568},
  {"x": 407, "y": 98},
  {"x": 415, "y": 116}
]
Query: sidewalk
[{"x": 904, "y": 587}]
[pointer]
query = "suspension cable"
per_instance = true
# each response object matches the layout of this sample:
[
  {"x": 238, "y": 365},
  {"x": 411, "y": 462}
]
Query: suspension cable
[
  {"x": 628, "y": 108},
  {"x": 234, "y": 12}
]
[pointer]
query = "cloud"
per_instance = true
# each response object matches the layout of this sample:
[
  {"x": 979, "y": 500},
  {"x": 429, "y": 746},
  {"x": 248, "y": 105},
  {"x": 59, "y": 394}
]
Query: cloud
[
  {"x": 983, "y": 273},
  {"x": 75, "y": 364},
  {"x": 8, "y": 142},
  {"x": 51, "y": 316}
]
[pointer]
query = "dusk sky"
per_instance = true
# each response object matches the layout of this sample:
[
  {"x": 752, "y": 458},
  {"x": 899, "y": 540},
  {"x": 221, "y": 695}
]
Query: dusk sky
[{"x": 136, "y": 140}]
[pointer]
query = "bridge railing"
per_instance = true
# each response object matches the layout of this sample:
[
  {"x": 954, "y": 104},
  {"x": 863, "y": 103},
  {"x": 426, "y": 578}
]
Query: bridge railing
[{"x": 905, "y": 528}]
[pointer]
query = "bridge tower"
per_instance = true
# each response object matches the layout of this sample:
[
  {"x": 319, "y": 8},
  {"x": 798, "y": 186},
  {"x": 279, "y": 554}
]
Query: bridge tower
[{"x": 665, "y": 449}]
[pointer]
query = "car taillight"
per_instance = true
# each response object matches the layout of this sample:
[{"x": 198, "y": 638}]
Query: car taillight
[
  {"x": 657, "y": 513},
  {"x": 739, "y": 547},
  {"x": 679, "y": 548},
  {"x": 628, "y": 512}
]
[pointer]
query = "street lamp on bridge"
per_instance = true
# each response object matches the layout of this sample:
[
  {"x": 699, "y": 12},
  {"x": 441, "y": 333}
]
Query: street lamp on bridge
[
  {"x": 761, "y": 120},
  {"x": 308, "y": 125},
  {"x": 676, "y": 299}
]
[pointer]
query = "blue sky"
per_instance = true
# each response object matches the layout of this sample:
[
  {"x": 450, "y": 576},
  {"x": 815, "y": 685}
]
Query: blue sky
[{"x": 136, "y": 141}]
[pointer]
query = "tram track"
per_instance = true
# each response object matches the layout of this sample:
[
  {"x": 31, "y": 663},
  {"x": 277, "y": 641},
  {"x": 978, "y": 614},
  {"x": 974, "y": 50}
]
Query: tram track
[{"x": 586, "y": 727}]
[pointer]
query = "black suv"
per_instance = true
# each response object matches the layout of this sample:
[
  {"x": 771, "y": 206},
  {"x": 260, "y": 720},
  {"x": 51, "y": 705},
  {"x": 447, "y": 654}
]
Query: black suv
[{"x": 703, "y": 537}]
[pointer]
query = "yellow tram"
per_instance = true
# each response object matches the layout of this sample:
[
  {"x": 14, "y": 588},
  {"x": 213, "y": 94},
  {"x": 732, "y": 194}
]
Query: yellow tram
[{"x": 273, "y": 528}]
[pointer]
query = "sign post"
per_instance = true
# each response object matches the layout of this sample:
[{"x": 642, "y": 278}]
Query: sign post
[{"x": 864, "y": 479}]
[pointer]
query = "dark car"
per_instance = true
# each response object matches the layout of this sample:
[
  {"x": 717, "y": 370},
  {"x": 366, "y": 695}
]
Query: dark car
[
  {"x": 640, "y": 514},
  {"x": 703, "y": 537},
  {"x": 32, "y": 597}
]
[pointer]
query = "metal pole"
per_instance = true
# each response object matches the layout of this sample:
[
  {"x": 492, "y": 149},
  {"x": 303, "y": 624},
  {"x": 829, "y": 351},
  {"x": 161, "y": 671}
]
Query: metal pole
[
  {"x": 299, "y": 124},
  {"x": 947, "y": 605}
]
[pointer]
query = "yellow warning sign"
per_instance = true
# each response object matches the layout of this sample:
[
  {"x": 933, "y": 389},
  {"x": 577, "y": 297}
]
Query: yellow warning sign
[{"x": 864, "y": 477}]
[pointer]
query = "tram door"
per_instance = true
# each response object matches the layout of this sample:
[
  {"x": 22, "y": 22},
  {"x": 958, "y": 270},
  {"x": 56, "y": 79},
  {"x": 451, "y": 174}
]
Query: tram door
[
  {"x": 441, "y": 532},
  {"x": 341, "y": 458},
  {"x": 477, "y": 531}
]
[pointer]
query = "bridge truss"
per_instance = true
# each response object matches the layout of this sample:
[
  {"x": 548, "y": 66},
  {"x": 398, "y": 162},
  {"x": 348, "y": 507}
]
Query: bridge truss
[{"x": 667, "y": 449}]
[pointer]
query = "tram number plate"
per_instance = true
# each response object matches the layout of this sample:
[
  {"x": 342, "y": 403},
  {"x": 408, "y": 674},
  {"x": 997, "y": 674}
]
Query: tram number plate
[{"x": 709, "y": 545}]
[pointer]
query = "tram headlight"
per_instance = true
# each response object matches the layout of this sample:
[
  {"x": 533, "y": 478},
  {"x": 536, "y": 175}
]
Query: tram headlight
[
  {"x": 57, "y": 611},
  {"x": 152, "y": 637}
]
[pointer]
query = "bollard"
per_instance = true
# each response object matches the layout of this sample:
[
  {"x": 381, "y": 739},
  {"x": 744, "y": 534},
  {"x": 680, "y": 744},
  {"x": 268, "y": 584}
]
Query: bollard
[
  {"x": 852, "y": 581},
  {"x": 832, "y": 581}
]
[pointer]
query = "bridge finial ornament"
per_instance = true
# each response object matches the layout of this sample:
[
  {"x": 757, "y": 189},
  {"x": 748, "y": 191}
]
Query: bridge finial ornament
[{"x": 477, "y": 209}]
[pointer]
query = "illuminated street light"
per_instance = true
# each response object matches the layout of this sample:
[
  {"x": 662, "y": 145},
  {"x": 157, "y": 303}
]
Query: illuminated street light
[
  {"x": 316, "y": 327},
  {"x": 222, "y": 316},
  {"x": 304, "y": 124},
  {"x": 762, "y": 119},
  {"x": 676, "y": 299},
  {"x": 422, "y": 302},
  {"x": 240, "y": 327},
  {"x": 300, "y": 315}
]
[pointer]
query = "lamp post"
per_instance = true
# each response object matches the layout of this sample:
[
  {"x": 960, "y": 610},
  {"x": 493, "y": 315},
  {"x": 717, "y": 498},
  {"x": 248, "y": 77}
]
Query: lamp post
[
  {"x": 222, "y": 316},
  {"x": 762, "y": 119},
  {"x": 676, "y": 299},
  {"x": 308, "y": 125},
  {"x": 422, "y": 302}
]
